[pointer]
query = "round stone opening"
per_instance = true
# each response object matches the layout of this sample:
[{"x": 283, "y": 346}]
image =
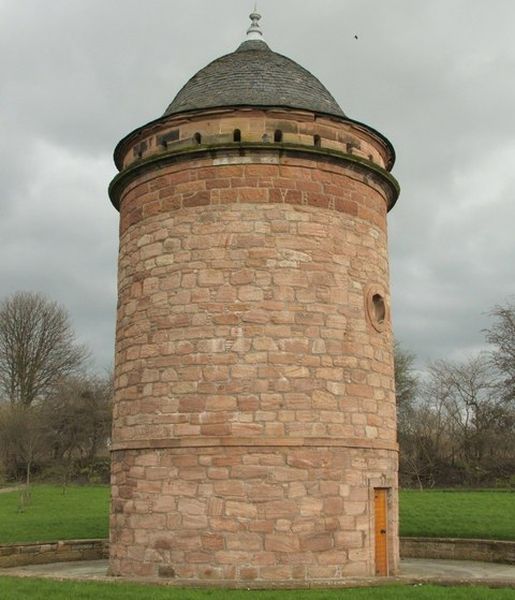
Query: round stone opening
[
  {"x": 376, "y": 308},
  {"x": 379, "y": 308}
]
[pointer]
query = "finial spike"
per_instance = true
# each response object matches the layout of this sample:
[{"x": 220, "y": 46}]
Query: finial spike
[{"x": 254, "y": 31}]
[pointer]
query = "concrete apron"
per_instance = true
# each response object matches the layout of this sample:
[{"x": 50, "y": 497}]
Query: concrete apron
[{"x": 412, "y": 571}]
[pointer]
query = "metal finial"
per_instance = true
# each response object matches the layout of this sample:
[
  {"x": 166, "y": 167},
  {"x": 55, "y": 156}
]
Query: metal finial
[{"x": 254, "y": 31}]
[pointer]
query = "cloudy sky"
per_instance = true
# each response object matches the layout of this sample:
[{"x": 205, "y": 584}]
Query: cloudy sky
[{"x": 437, "y": 78}]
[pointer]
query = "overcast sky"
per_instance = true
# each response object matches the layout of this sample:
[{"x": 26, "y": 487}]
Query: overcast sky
[{"x": 437, "y": 78}]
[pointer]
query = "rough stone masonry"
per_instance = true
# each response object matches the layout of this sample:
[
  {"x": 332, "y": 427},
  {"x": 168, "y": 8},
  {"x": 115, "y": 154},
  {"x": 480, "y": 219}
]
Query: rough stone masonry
[{"x": 254, "y": 414}]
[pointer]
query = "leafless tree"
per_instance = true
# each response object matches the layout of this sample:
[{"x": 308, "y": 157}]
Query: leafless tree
[
  {"x": 455, "y": 424},
  {"x": 476, "y": 427},
  {"x": 61, "y": 436},
  {"x": 37, "y": 347},
  {"x": 77, "y": 417},
  {"x": 406, "y": 382},
  {"x": 502, "y": 336},
  {"x": 22, "y": 440}
]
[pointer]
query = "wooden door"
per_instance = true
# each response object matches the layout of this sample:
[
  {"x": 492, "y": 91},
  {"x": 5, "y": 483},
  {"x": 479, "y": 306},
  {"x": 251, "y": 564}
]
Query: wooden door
[{"x": 381, "y": 525}]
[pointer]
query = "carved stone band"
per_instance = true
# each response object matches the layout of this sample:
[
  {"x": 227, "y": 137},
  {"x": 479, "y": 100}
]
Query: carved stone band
[{"x": 207, "y": 442}]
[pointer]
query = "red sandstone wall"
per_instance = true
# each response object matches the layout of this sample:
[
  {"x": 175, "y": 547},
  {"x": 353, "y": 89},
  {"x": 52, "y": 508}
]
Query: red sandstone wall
[
  {"x": 246, "y": 354},
  {"x": 247, "y": 514},
  {"x": 251, "y": 315}
]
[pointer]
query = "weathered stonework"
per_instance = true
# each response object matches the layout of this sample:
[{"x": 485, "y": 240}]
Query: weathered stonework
[
  {"x": 247, "y": 512},
  {"x": 497, "y": 551},
  {"x": 40, "y": 553},
  {"x": 254, "y": 413}
]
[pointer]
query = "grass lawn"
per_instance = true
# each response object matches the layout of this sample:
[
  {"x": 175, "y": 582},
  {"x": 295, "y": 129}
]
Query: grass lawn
[
  {"x": 82, "y": 512},
  {"x": 15, "y": 589},
  {"x": 486, "y": 514}
]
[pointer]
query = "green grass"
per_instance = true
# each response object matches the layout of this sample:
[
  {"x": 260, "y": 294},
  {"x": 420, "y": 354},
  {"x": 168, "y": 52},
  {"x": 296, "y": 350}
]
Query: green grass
[
  {"x": 14, "y": 589},
  {"x": 82, "y": 512},
  {"x": 455, "y": 513}
]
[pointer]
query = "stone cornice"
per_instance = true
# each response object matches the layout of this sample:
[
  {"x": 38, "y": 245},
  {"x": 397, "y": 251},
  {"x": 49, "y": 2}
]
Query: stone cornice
[{"x": 156, "y": 161}]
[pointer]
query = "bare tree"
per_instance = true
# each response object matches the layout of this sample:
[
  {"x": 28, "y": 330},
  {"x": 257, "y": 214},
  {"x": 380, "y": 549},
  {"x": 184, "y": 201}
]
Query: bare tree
[
  {"x": 456, "y": 425},
  {"x": 476, "y": 439},
  {"x": 406, "y": 382},
  {"x": 22, "y": 440},
  {"x": 77, "y": 419},
  {"x": 422, "y": 437},
  {"x": 37, "y": 347},
  {"x": 502, "y": 336},
  {"x": 62, "y": 436}
]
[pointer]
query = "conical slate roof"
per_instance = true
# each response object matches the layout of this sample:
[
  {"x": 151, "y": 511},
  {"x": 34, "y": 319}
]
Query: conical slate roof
[{"x": 254, "y": 75}]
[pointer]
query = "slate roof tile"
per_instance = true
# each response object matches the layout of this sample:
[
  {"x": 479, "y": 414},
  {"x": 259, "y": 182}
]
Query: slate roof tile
[{"x": 254, "y": 75}]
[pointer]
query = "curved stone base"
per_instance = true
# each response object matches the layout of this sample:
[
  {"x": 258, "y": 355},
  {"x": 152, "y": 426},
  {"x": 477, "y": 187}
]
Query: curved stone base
[{"x": 262, "y": 514}]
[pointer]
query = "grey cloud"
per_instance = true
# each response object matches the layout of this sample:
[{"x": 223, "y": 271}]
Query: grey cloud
[{"x": 435, "y": 77}]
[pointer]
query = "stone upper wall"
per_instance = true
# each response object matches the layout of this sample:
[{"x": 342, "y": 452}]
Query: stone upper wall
[
  {"x": 251, "y": 319},
  {"x": 256, "y": 178}
]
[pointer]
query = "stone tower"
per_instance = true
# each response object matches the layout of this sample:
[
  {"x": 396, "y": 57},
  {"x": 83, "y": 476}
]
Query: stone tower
[{"x": 254, "y": 435}]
